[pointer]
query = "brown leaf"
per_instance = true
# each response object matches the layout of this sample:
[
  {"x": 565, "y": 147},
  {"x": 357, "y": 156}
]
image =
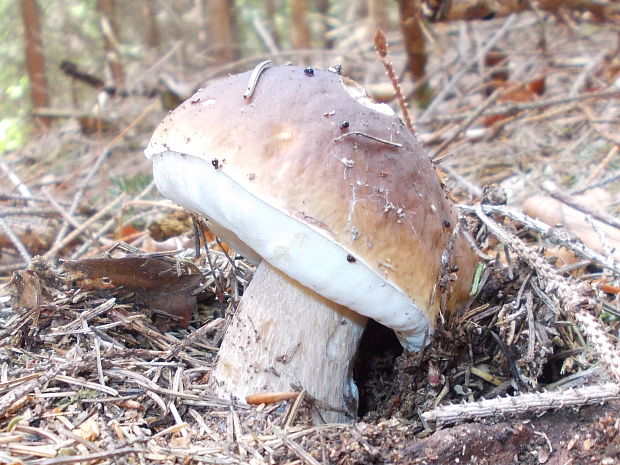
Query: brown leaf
[
  {"x": 162, "y": 284},
  {"x": 27, "y": 290}
]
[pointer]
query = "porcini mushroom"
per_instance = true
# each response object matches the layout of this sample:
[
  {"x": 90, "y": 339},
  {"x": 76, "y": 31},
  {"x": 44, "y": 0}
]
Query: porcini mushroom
[{"x": 338, "y": 202}]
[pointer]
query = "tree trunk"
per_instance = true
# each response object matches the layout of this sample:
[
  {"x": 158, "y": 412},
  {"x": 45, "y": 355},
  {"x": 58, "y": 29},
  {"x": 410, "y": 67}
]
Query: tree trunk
[
  {"x": 414, "y": 44},
  {"x": 300, "y": 32},
  {"x": 323, "y": 7},
  {"x": 221, "y": 30},
  {"x": 271, "y": 9},
  {"x": 35, "y": 62},
  {"x": 152, "y": 37},
  {"x": 109, "y": 31}
]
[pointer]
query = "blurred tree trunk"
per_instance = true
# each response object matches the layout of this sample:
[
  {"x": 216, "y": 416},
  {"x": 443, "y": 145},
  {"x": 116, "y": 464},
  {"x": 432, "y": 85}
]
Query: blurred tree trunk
[
  {"x": 270, "y": 9},
  {"x": 221, "y": 30},
  {"x": 414, "y": 45},
  {"x": 35, "y": 62},
  {"x": 152, "y": 37},
  {"x": 323, "y": 7},
  {"x": 109, "y": 31},
  {"x": 300, "y": 32},
  {"x": 378, "y": 15}
]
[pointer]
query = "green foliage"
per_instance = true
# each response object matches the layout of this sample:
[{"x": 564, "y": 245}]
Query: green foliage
[
  {"x": 70, "y": 30},
  {"x": 13, "y": 81},
  {"x": 12, "y": 127},
  {"x": 11, "y": 133}
]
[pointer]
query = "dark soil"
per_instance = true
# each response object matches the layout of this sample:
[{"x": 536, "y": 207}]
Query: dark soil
[{"x": 589, "y": 435}]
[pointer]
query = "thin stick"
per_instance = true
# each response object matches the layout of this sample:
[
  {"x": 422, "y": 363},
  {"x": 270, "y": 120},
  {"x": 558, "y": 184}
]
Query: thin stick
[
  {"x": 63, "y": 212},
  {"x": 77, "y": 198},
  {"x": 470, "y": 187},
  {"x": 94, "y": 457},
  {"x": 76, "y": 232},
  {"x": 597, "y": 126},
  {"x": 363, "y": 134},
  {"x": 298, "y": 450},
  {"x": 600, "y": 167},
  {"x": 12, "y": 267},
  {"x": 23, "y": 389},
  {"x": 447, "y": 89},
  {"x": 87, "y": 181},
  {"x": 200, "y": 235},
  {"x": 614, "y": 176},
  {"x": 264, "y": 34},
  {"x": 513, "y": 108},
  {"x": 465, "y": 124},
  {"x": 109, "y": 224},
  {"x": 19, "y": 245},
  {"x": 294, "y": 409},
  {"x": 17, "y": 182}
]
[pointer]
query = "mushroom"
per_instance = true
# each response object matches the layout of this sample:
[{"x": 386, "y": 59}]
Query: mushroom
[{"x": 299, "y": 171}]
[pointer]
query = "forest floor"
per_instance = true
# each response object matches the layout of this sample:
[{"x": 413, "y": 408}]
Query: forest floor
[{"x": 91, "y": 372}]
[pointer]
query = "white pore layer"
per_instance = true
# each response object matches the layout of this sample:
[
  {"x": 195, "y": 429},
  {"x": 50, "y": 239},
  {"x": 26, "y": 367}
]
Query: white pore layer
[{"x": 300, "y": 251}]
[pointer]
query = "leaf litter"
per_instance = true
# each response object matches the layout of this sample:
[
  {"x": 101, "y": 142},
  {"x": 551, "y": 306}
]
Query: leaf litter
[{"x": 95, "y": 365}]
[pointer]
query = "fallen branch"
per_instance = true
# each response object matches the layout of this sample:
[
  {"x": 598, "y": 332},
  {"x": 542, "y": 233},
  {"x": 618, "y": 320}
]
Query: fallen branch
[{"x": 523, "y": 404}]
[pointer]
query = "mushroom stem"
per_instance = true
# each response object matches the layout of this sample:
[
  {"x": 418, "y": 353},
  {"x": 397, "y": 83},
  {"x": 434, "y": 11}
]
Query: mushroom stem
[{"x": 285, "y": 336}]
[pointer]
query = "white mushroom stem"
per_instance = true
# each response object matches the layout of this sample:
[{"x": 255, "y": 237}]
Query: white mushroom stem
[{"x": 286, "y": 337}]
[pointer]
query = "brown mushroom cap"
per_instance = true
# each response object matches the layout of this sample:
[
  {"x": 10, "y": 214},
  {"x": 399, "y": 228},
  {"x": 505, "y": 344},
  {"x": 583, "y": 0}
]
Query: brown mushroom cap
[{"x": 376, "y": 198}]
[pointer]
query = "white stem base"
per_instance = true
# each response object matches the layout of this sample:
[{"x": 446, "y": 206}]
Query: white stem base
[{"x": 285, "y": 337}]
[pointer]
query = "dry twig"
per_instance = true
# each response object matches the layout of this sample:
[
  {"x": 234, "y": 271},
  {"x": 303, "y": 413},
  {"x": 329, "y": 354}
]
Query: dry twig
[{"x": 523, "y": 404}]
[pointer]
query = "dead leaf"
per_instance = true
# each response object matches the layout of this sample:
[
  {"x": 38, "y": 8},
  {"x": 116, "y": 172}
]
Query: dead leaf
[
  {"x": 163, "y": 284},
  {"x": 26, "y": 289},
  {"x": 518, "y": 93}
]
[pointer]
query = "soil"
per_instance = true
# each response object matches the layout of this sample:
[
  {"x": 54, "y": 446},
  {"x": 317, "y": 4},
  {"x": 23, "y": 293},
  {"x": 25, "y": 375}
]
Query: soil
[{"x": 567, "y": 436}]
